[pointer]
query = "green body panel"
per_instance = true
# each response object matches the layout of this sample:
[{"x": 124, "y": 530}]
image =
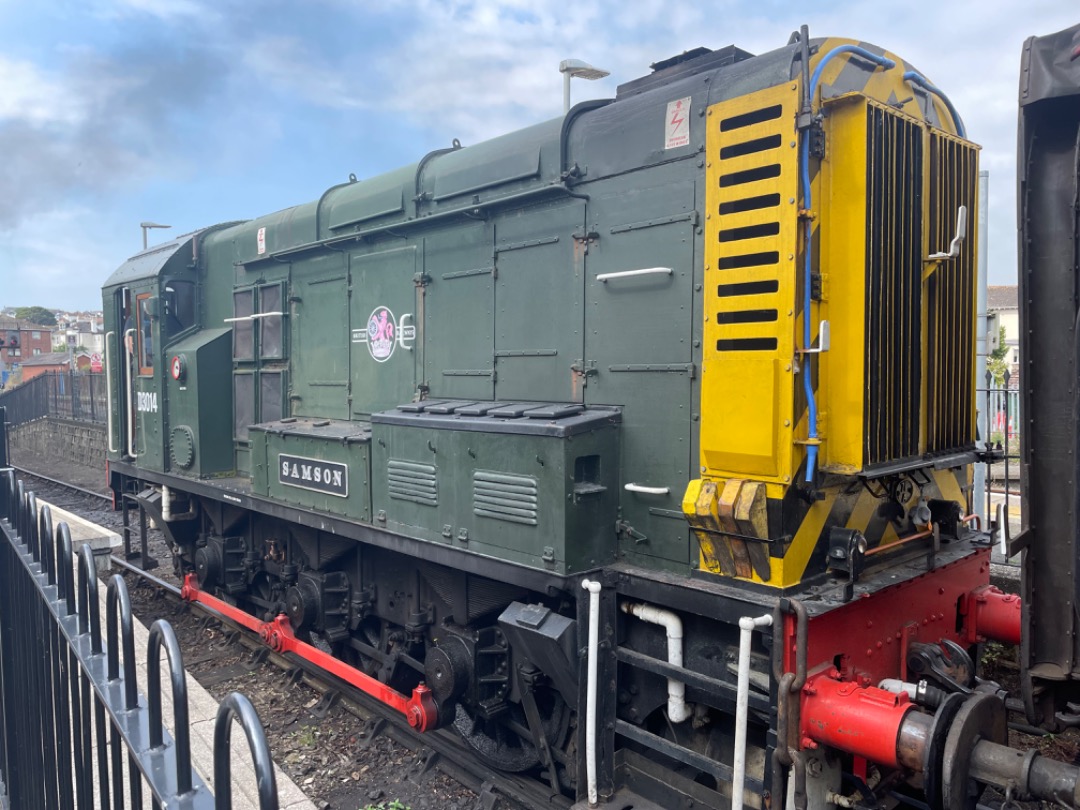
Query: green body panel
[
  {"x": 280, "y": 231},
  {"x": 197, "y": 402},
  {"x": 538, "y": 334},
  {"x": 347, "y": 443},
  {"x": 319, "y": 328},
  {"x": 459, "y": 311},
  {"x": 357, "y": 205},
  {"x": 639, "y": 345},
  {"x": 555, "y": 510},
  {"x": 383, "y": 297}
]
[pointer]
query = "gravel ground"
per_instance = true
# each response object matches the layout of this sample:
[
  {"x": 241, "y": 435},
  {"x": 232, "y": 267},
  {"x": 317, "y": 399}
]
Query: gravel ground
[{"x": 327, "y": 756}]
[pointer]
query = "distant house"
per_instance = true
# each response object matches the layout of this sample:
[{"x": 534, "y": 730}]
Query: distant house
[
  {"x": 1003, "y": 302},
  {"x": 20, "y": 340},
  {"x": 44, "y": 363}
]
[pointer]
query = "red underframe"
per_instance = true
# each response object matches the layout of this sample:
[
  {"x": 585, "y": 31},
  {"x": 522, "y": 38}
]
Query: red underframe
[{"x": 867, "y": 638}]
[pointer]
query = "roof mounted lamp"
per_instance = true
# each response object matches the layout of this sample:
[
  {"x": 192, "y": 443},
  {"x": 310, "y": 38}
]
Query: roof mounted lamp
[
  {"x": 575, "y": 68},
  {"x": 147, "y": 226}
]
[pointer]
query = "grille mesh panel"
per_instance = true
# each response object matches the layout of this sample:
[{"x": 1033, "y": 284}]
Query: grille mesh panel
[
  {"x": 894, "y": 179},
  {"x": 951, "y": 299}
]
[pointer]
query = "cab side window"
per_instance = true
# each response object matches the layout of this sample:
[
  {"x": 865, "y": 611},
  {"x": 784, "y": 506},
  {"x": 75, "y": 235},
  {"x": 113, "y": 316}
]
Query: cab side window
[{"x": 144, "y": 329}]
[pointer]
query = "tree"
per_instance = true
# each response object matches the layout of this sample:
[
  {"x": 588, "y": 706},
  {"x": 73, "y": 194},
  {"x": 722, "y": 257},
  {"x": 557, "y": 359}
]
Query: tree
[
  {"x": 38, "y": 315},
  {"x": 996, "y": 364}
]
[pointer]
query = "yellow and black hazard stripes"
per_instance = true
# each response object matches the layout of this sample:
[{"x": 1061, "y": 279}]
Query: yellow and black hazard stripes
[{"x": 799, "y": 526}]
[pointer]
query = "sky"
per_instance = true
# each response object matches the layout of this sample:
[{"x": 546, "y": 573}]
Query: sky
[{"x": 193, "y": 112}]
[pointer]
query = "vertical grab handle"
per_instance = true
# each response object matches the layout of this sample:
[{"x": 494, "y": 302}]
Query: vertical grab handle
[
  {"x": 130, "y": 395},
  {"x": 108, "y": 389}
]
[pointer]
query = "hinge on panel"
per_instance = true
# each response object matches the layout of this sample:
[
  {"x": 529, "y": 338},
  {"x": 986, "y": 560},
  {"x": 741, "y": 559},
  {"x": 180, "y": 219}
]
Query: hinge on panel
[
  {"x": 585, "y": 236},
  {"x": 583, "y": 369},
  {"x": 421, "y": 279},
  {"x": 815, "y": 286},
  {"x": 816, "y": 133}
]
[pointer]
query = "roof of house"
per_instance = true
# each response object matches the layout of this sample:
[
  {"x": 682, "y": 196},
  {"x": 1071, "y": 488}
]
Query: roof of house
[
  {"x": 1001, "y": 297},
  {"x": 7, "y": 322},
  {"x": 51, "y": 359}
]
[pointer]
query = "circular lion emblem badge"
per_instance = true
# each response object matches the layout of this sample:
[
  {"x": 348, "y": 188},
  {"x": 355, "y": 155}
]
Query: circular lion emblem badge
[{"x": 381, "y": 334}]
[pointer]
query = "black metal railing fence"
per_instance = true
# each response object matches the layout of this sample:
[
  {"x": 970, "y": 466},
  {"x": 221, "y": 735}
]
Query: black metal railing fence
[
  {"x": 76, "y": 395},
  {"x": 75, "y": 730}
]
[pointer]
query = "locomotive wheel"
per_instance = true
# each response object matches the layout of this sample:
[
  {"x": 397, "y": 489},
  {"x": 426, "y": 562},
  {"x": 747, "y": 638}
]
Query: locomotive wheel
[{"x": 500, "y": 746}]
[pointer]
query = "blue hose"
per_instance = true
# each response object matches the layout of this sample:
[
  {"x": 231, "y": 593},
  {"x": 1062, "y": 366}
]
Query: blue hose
[
  {"x": 808, "y": 333},
  {"x": 917, "y": 78}
]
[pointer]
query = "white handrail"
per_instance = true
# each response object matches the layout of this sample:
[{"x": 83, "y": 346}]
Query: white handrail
[
  {"x": 747, "y": 625},
  {"x": 648, "y": 271},
  {"x": 256, "y": 316},
  {"x": 108, "y": 389},
  {"x": 591, "y": 689},
  {"x": 644, "y": 490},
  {"x": 130, "y": 393}
]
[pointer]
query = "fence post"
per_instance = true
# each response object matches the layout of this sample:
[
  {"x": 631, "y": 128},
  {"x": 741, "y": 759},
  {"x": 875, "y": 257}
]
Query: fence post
[{"x": 3, "y": 437}]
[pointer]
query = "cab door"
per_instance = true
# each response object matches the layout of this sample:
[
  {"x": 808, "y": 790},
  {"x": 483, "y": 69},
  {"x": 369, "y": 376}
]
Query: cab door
[{"x": 146, "y": 393}]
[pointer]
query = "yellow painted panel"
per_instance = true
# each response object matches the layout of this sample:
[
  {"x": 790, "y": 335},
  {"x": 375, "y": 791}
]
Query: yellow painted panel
[
  {"x": 749, "y": 444},
  {"x": 841, "y": 204},
  {"x": 747, "y": 377}
]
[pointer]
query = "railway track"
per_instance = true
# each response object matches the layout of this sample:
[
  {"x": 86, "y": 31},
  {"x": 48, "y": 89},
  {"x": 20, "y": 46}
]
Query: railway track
[{"x": 440, "y": 750}]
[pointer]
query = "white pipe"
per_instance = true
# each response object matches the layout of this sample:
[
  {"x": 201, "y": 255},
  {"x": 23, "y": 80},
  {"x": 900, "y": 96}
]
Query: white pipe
[
  {"x": 677, "y": 708},
  {"x": 747, "y": 625},
  {"x": 590, "y": 709},
  {"x": 166, "y": 504}
]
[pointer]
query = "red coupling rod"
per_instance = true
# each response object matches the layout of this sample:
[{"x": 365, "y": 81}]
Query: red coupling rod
[
  {"x": 991, "y": 613},
  {"x": 420, "y": 709}
]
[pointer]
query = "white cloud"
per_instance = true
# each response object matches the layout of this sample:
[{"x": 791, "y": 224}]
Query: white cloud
[
  {"x": 294, "y": 69},
  {"x": 61, "y": 258},
  {"x": 30, "y": 95}
]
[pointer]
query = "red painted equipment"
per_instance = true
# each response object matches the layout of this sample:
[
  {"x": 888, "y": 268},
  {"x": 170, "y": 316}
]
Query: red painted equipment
[
  {"x": 991, "y": 613},
  {"x": 420, "y": 709},
  {"x": 861, "y": 720}
]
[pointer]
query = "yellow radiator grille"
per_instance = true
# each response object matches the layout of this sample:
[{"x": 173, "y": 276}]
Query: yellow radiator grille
[
  {"x": 894, "y": 181},
  {"x": 950, "y": 305}
]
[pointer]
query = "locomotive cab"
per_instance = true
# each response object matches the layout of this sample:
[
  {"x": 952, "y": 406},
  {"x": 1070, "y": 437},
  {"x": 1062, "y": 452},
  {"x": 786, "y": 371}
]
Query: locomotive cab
[{"x": 150, "y": 304}]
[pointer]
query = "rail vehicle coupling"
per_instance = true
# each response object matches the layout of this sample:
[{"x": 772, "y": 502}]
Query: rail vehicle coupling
[{"x": 954, "y": 741}]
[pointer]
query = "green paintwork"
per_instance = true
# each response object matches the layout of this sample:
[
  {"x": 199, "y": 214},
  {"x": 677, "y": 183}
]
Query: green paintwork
[
  {"x": 427, "y": 482},
  {"x": 347, "y": 443},
  {"x": 198, "y": 403},
  {"x": 485, "y": 259}
]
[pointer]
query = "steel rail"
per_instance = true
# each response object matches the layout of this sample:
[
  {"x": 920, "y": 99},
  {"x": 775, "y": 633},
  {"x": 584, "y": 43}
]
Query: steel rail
[
  {"x": 450, "y": 755},
  {"x": 65, "y": 484}
]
